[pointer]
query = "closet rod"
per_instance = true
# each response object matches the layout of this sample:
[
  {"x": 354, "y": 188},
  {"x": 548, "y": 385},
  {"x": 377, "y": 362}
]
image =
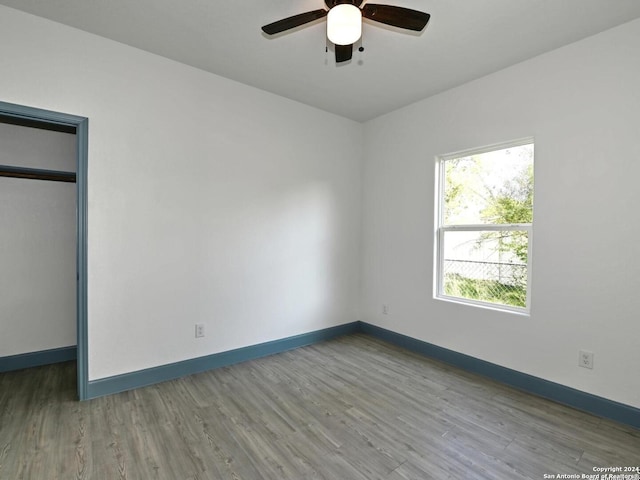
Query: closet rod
[{"x": 37, "y": 174}]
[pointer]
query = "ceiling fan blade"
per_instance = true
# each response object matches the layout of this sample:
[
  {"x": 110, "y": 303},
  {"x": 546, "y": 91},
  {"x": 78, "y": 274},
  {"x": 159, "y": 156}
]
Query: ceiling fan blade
[
  {"x": 292, "y": 22},
  {"x": 396, "y": 16},
  {"x": 343, "y": 53}
]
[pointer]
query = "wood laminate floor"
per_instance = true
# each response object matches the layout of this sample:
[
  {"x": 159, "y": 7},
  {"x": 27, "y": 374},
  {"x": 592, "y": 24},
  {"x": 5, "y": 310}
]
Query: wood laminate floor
[{"x": 351, "y": 408}]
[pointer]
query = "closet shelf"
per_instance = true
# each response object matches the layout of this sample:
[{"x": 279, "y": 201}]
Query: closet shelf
[{"x": 37, "y": 174}]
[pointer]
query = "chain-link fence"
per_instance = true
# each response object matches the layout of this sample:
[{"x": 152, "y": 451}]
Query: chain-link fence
[{"x": 504, "y": 283}]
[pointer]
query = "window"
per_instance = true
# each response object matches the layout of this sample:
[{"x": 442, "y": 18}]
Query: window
[{"x": 484, "y": 225}]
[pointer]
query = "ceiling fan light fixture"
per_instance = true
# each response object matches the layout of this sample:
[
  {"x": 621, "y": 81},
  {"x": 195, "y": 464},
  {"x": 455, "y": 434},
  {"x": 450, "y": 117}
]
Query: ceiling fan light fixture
[{"x": 344, "y": 24}]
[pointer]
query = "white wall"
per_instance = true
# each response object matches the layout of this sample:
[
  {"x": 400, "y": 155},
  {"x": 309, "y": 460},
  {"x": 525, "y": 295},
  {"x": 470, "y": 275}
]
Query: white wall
[
  {"x": 581, "y": 104},
  {"x": 209, "y": 201},
  {"x": 37, "y": 243},
  {"x": 213, "y": 202}
]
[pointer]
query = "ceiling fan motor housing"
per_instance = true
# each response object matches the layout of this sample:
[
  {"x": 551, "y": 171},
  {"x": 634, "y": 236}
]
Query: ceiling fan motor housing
[{"x": 333, "y": 3}]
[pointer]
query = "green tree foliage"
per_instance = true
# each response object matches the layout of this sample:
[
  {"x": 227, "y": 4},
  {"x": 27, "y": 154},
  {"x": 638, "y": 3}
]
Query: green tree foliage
[
  {"x": 512, "y": 203},
  {"x": 464, "y": 189}
]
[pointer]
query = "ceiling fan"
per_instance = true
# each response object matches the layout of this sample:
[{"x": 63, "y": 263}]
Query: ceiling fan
[{"x": 344, "y": 22}]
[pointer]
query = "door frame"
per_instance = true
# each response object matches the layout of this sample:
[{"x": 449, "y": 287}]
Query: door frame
[{"x": 81, "y": 125}]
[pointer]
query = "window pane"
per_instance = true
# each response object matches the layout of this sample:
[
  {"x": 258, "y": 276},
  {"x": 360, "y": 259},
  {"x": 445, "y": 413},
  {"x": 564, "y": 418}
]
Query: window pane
[
  {"x": 489, "y": 188},
  {"x": 488, "y": 266}
]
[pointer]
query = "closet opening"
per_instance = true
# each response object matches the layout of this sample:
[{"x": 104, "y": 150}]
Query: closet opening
[{"x": 43, "y": 239}]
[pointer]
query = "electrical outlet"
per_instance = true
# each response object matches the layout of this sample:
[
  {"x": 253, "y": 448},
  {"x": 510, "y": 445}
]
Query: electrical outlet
[
  {"x": 199, "y": 330},
  {"x": 385, "y": 309},
  {"x": 585, "y": 359}
]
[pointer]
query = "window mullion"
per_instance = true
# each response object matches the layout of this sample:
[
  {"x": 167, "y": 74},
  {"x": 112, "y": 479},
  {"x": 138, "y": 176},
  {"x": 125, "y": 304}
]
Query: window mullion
[{"x": 487, "y": 227}]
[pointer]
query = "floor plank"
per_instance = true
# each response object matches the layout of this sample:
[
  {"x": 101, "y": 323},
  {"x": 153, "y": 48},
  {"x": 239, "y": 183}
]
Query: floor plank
[{"x": 351, "y": 408}]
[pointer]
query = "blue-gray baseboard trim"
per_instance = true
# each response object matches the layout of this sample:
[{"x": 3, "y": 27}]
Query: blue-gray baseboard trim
[
  {"x": 544, "y": 388},
  {"x": 149, "y": 376},
  {"x": 35, "y": 359}
]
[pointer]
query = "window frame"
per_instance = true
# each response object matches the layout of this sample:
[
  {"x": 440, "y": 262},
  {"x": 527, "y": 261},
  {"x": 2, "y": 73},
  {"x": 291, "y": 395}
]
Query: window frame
[{"x": 441, "y": 229}]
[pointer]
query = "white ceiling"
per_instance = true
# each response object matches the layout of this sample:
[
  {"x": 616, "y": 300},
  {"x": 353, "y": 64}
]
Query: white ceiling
[{"x": 465, "y": 39}]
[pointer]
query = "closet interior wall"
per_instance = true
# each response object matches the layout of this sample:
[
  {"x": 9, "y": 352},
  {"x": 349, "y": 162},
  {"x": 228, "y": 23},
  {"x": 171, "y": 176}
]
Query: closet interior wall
[{"x": 37, "y": 242}]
